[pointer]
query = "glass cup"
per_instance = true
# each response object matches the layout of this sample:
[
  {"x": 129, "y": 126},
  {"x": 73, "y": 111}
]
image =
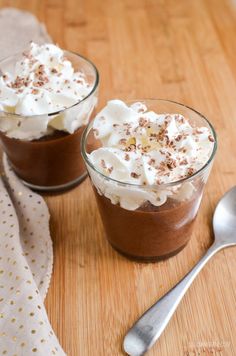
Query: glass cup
[
  {"x": 53, "y": 162},
  {"x": 149, "y": 233}
]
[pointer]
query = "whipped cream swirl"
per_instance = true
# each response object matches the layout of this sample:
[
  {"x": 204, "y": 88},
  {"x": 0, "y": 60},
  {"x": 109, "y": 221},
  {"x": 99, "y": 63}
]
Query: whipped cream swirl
[
  {"x": 43, "y": 81},
  {"x": 141, "y": 147}
]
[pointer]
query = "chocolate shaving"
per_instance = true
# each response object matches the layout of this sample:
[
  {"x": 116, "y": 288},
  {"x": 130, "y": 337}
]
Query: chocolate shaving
[
  {"x": 198, "y": 131},
  {"x": 103, "y": 164},
  {"x": 130, "y": 148},
  {"x": 151, "y": 162},
  {"x": 122, "y": 141},
  {"x": 143, "y": 122},
  {"x": 34, "y": 91},
  {"x": 211, "y": 138},
  {"x": 178, "y": 138},
  {"x": 190, "y": 172},
  {"x": 135, "y": 175},
  {"x": 171, "y": 164}
]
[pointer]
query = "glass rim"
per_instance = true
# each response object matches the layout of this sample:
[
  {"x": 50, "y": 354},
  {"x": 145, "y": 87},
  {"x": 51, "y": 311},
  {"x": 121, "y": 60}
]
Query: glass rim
[
  {"x": 151, "y": 186},
  {"x": 58, "y": 112}
]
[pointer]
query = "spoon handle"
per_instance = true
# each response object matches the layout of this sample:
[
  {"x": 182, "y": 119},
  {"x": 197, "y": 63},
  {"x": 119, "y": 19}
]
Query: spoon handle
[{"x": 149, "y": 327}]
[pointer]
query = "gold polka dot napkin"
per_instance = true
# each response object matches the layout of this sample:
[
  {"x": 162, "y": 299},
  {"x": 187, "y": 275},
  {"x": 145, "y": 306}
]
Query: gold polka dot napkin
[
  {"x": 26, "y": 259},
  {"x": 25, "y": 244}
]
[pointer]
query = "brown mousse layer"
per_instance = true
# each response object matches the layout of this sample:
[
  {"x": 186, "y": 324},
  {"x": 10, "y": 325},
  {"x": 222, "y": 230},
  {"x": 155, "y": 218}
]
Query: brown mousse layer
[
  {"x": 49, "y": 161},
  {"x": 149, "y": 233}
]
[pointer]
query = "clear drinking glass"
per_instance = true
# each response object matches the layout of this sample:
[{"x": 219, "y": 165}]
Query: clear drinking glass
[
  {"x": 150, "y": 233},
  {"x": 53, "y": 162}
]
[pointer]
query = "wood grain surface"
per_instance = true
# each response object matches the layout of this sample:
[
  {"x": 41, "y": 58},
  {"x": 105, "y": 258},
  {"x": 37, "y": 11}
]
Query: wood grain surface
[{"x": 183, "y": 50}]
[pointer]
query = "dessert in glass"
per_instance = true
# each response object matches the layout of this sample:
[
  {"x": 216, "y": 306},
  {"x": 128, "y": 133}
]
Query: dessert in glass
[
  {"x": 47, "y": 96},
  {"x": 148, "y": 162}
]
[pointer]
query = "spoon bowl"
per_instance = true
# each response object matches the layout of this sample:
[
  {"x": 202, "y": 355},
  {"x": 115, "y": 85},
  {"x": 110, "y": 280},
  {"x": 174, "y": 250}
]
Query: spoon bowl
[{"x": 224, "y": 219}]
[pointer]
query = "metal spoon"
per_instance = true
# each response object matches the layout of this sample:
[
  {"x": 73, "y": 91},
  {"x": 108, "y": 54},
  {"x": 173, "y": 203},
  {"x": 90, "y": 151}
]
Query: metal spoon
[{"x": 145, "y": 332}]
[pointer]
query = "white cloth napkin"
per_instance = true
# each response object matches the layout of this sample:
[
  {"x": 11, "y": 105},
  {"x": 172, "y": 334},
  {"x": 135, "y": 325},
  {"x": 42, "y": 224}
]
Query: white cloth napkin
[
  {"x": 17, "y": 29},
  {"x": 26, "y": 255},
  {"x": 26, "y": 260}
]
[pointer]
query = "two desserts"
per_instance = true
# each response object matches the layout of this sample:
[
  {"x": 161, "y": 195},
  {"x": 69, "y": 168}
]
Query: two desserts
[{"x": 148, "y": 161}]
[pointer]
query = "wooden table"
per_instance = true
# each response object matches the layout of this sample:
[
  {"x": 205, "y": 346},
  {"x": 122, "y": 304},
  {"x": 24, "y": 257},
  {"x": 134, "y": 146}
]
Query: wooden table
[{"x": 183, "y": 50}]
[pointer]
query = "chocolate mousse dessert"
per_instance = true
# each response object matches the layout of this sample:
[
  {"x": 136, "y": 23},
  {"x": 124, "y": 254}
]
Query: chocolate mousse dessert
[
  {"x": 148, "y": 174},
  {"x": 47, "y": 96}
]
